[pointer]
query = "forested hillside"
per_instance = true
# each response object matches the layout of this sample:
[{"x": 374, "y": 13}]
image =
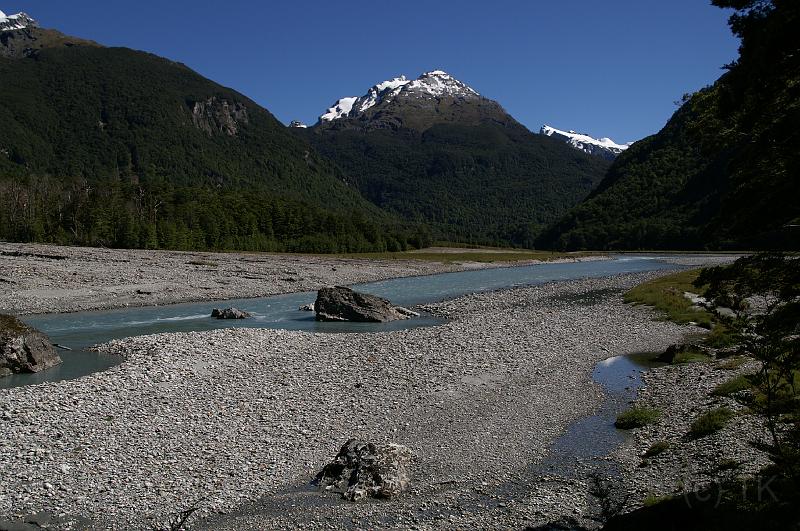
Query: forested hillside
[
  {"x": 109, "y": 146},
  {"x": 725, "y": 171},
  {"x": 485, "y": 184}
]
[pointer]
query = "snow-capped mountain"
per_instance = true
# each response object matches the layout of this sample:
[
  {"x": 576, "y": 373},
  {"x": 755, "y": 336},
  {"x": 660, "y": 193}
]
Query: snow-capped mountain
[
  {"x": 297, "y": 124},
  {"x": 435, "y": 84},
  {"x": 604, "y": 147},
  {"x": 15, "y": 22}
]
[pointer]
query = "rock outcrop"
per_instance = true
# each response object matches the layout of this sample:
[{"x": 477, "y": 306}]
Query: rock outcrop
[
  {"x": 219, "y": 116},
  {"x": 363, "y": 469},
  {"x": 229, "y": 313},
  {"x": 23, "y": 348},
  {"x": 344, "y": 304}
]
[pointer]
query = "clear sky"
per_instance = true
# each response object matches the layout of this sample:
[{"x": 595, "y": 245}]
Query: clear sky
[{"x": 612, "y": 68}]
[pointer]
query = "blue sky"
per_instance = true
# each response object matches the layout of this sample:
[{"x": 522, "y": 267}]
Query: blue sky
[{"x": 611, "y": 68}]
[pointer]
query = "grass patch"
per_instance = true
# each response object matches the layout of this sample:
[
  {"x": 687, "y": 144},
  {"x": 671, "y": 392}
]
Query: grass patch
[
  {"x": 665, "y": 294},
  {"x": 655, "y": 500},
  {"x": 735, "y": 385},
  {"x": 732, "y": 363},
  {"x": 710, "y": 422},
  {"x": 690, "y": 356},
  {"x": 677, "y": 354},
  {"x": 637, "y": 417},
  {"x": 473, "y": 255},
  {"x": 657, "y": 448},
  {"x": 719, "y": 337}
]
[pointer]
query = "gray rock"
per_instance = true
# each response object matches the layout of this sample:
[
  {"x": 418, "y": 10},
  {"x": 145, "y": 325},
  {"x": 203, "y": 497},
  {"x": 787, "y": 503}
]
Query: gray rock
[
  {"x": 229, "y": 313},
  {"x": 219, "y": 116},
  {"x": 363, "y": 469},
  {"x": 307, "y": 307},
  {"x": 24, "y": 349},
  {"x": 45, "y": 520},
  {"x": 344, "y": 304},
  {"x": 406, "y": 311}
]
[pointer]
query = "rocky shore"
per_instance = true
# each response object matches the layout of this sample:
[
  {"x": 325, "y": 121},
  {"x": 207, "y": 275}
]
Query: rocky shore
[
  {"x": 240, "y": 420},
  {"x": 37, "y": 278},
  {"x": 682, "y": 393}
]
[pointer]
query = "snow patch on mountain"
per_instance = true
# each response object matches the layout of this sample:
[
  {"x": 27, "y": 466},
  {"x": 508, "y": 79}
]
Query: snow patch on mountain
[
  {"x": 339, "y": 109},
  {"x": 381, "y": 91},
  {"x": 436, "y": 84},
  {"x": 604, "y": 147},
  {"x": 15, "y": 22}
]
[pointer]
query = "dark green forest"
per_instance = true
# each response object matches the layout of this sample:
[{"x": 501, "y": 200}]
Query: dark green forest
[
  {"x": 491, "y": 183},
  {"x": 724, "y": 173},
  {"x": 109, "y": 146}
]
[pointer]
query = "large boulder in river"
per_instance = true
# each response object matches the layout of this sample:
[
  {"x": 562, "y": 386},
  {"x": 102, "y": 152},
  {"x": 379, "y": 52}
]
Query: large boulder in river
[
  {"x": 363, "y": 469},
  {"x": 344, "y": 304},
  {"x": 24, "y": 349},
  {"x": 229, "y": 313}
]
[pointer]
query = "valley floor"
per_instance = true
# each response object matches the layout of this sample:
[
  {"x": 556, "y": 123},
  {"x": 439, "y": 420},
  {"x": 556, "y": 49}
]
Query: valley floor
[
  {"x": 38, "y": 278},
  {"x": 231, "y": 417},
  {"x": 239, "y": 421}
]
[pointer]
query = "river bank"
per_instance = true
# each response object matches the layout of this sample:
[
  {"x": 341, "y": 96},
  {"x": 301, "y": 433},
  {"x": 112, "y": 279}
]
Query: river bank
[
  {"x": 37, "y": 278},
  {"x": 235, "y": 416},
  {"x": 682, "y": 393}
]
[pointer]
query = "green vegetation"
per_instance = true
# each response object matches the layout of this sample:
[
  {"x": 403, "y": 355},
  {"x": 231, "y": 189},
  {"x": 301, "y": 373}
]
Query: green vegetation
[
  {"x": 690, "y": 355},
  {"x": 732, "y": 363},
  {"x": 770, "y": 336},
  {"x": 482, "y": 183},
  {"x": 637, "y": 417},
  {"x": 657, "y": 448},
  {"x": 720, "y": 336},
  {"x": 652, "y": 500},
  {"x": 113, "y": 147},
  {"x": 665, "y": 294},
  {"x": 467, "y": 256},
  {"x": 710, "y": 422},
  {"x": 723, "y": 171},
  {"x": 735, "y": 385}
]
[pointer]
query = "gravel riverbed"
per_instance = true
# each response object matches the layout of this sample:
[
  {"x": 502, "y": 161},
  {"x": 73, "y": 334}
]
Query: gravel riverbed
[
  {"x": 37, "y": 278},
  {"x": 242, "y": 419},
  {"x": 682, "y": 393}
]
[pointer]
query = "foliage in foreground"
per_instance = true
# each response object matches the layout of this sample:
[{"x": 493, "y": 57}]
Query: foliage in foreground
[{"x": 764, "y": 292}]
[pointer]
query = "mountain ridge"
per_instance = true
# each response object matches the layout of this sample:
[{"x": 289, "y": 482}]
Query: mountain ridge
[{"x": 603, "y": 147}]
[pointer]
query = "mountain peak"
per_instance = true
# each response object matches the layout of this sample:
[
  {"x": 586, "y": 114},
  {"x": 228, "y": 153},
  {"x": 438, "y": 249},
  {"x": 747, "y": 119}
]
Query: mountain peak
[
  {"x": 604, "y": 147},
  {"x": 433, "y": 84},
  {"x": 15, "y": 22}
]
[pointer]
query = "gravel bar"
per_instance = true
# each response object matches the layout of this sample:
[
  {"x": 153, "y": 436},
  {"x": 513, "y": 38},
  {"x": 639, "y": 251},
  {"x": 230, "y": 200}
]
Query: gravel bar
[{"x": 240, "y": 420}]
